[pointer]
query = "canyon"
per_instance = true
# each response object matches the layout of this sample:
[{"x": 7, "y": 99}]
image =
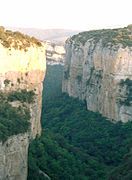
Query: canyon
[
  {"x": 97, "y": 70},
  {"x": 53, "y": 35}
]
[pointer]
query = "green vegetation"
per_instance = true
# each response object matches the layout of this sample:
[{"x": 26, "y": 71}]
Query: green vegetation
[
  {"x": 53, "y": 154},
  {"x": 6, "y": 82},
  {"x": 66, "y": 73},
  {"x": 77, "y": 144},
  {"x": 15, "y": 119},
  {"x": 128, "y": 85},
  {"x": 79, "y": 78},
  {"x": 22, "y": 96},
  {"x": 53, "y": 81},
  {"x": 124, "y": 170},
  {"x": 127, "y": 82},
  {"x": 107, "y": 36},
  {"x": 18, "y": 80},
  {"x": 16, "y": 40}
]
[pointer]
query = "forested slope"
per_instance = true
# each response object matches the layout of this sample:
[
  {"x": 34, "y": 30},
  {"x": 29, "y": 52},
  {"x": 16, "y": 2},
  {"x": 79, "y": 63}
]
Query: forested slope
[{"x": 77, "y": 144}]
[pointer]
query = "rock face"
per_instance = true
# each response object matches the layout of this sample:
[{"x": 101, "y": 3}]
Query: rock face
[
  {"x": 98, "y": 69},
  {"x": 55, "y": 53},
  {"x": 13, "y": 158},
  {"x": 22, "y": 66}
]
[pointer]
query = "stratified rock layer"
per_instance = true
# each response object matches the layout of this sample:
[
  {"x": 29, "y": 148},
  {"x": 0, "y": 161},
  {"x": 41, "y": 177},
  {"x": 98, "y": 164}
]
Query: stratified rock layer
[
  {"x": 55, "y": 53},
  {"x": 99, "y": 71}
]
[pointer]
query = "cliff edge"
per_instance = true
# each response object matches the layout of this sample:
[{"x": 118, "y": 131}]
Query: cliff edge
[
  {"x": 22, "y": 70},
  {"x": 98, "y": 69}
]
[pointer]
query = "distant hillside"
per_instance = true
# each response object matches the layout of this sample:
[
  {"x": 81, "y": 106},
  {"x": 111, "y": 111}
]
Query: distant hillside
[{"x": 54, "y": 35}]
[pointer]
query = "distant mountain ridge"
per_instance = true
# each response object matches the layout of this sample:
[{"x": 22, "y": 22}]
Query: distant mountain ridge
[{"x": 54, "y": 35}]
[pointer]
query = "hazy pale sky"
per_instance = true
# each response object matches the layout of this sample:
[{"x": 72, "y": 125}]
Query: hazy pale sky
[{"x": 68, "y": 14}]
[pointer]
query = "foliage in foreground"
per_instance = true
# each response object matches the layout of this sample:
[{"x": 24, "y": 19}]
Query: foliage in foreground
[{"x": 76, "y": 143}]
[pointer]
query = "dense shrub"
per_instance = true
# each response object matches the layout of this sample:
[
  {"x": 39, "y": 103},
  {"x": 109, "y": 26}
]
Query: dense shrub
[
  {"x": 127, "y": 84},
  {"x": 22, "y": 96},
  {"x": 76, "y": 143},
  {"x": 6, "y": 82},
  {"x": 14, "y": 120},
  {"x": 124, "y": 170}
]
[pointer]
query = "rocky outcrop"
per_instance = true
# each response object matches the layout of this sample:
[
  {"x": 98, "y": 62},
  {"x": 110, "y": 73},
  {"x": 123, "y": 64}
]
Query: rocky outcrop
[
  {"x": 22, "y": 70},
  {"x": 98, "y": 69},
  {"x": 13, "y": 158},
  {"x": 55, "y": 53}
]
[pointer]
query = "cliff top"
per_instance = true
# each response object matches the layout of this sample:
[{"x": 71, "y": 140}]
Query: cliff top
[
  {"x": 109, "y": 36},
  {"x": 16, "y": 39}
]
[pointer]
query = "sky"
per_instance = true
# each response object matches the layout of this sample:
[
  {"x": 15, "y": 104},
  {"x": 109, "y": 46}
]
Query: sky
[{"x": 66, "y": 14}]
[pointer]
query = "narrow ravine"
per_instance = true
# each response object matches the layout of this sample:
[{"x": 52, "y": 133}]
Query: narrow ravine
[{"x": 76, "y": 143}]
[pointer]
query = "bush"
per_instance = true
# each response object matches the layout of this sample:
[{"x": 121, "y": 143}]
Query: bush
[
  {"x": 127, "y": 83},
  {"x": 22, "y": 96},
  {"x": 79, "y": 78},
  {"x": 6, "y": 82},
  {"x": 14, "y": 120},
  {"x": 67, "y": 73}
]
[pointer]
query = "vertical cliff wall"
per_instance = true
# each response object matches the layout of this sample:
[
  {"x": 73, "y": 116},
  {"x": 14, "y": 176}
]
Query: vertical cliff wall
[
  {"x": 22, "y": 70},
  {"x": 98, "y": 69},
  {"x": 55, "y": 53}
]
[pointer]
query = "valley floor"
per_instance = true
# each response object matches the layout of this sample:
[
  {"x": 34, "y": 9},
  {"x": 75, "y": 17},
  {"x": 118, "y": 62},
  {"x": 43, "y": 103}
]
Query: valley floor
[{"x": 77, "y": 144}]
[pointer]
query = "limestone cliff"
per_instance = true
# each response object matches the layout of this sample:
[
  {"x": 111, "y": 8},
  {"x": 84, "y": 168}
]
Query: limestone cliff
[
  {"x": 55, "y": 53},
  {"x": 98, "y": 69},
  {"x": 22, "y": 70}
]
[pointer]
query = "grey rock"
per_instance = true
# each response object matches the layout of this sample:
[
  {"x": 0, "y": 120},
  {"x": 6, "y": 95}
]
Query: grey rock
[{"x": 93, "y": 72}]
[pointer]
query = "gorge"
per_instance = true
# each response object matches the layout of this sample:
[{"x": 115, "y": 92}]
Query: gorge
[{"x": 76, "y": 142}]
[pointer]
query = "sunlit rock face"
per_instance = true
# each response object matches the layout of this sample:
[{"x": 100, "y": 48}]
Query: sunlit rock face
[
  {"x": 24, "y": 70},
  {"x": 98, "y": 69},
  {"x": 23, "y": 66},
  {"x": 55, "y": 53}
]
